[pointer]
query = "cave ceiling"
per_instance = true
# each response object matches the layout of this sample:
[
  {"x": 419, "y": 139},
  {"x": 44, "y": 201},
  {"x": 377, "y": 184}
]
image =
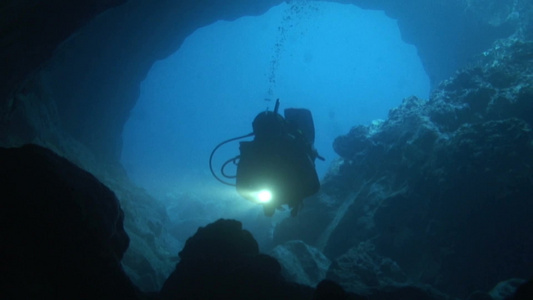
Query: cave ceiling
[{"x": 94, "y": 54}]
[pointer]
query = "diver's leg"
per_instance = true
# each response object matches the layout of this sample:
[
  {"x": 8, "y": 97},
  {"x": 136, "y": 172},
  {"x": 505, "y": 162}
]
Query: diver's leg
[
  {"x": 268, "y": 210},
  {"x": 295, "y": 208}
]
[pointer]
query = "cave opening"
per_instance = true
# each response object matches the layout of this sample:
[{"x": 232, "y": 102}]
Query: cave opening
[{"x": 349, "y": 66}]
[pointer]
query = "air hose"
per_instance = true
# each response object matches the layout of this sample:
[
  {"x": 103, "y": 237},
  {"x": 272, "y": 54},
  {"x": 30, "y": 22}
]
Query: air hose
[{"x": 227, "y": 162}]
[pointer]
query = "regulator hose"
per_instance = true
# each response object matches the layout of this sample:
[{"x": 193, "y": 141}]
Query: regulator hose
[{"x": 228, "y": 161}]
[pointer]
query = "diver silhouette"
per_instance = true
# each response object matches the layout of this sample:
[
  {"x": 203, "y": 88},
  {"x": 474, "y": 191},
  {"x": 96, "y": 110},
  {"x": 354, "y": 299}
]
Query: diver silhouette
[{"x": 278, "y": 166}]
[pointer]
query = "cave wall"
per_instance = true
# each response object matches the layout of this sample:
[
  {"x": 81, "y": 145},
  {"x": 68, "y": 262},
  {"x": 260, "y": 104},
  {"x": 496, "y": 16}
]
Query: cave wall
[
  {"x": 442, "y": 187},
  {"x": 117, "y": 50},
  {"x": 93, "y": 79},
  {"x": 30, "y": 32},
  {"x": 70, "y": 74},
  {"x": 448, "y": 34}
]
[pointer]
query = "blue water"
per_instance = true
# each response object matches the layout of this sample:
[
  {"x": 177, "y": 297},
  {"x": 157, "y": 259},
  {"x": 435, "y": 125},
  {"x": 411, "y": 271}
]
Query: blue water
[{"x": 347, "y": 65}]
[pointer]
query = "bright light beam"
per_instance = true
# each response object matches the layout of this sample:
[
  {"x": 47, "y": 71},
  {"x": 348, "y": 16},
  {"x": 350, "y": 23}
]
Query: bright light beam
[{"x": 264, "y": 196}]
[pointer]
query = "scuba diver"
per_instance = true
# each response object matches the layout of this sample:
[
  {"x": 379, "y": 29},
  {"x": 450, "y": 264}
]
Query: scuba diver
[{"x": 278, "y": 166}]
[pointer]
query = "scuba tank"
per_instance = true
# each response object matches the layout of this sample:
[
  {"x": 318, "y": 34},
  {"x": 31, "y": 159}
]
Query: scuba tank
[{"x": 277, "y": 166}]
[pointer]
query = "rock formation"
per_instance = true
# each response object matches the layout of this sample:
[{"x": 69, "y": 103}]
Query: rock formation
[
  {"x": 62, "y": 230},
  {"x": 92, "y": 80},
  {"x": 222, "y": 261},
  {"x": 442, "y": 187}
]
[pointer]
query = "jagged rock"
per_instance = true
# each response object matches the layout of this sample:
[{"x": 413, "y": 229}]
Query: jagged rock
[
  {"x": 506, "y": 289},
  {"x": 31, "y": 32},
  {"x": 329, "y": 290},
  {"x": 362, "y": 271},
  {"x": 222, "y": 261},
  {"x": 62, "y": 234},
  {"x": 524, "y": 291},
  {"x": 477, "y": 295},
  {"x": 301, "y": 263},
  {"x": 450, "y": 179},
  {"x": 152, "y": 253},
  {"x": 408, "y": 293}
]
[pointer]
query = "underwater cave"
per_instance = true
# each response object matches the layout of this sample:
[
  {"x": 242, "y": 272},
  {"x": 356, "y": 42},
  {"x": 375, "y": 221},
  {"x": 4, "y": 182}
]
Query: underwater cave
[
  {"x": 423, "y": 111},
  {"x": 347, "y": 65}
]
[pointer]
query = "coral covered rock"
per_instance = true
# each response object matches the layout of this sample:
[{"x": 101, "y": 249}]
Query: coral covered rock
[
  {"x": 362, "y": 271},
  {"x": 442, "y": 187}
]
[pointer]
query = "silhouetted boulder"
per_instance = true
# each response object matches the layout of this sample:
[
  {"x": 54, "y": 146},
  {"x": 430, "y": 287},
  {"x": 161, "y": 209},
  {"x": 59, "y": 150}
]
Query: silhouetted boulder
[
  {"x": 477, "y": 295},
  {"x": 506, "y": 289},
  {"x": 62, "y": 234},
  {"x": 362, "y": 271},
  {"x": 222, "y": 261},
  {"x": 329, "y": 290},
  {"x": 524, "y": 291},
  {"x": 407, "y": 293},
  {"x": 442, "y": 187}
]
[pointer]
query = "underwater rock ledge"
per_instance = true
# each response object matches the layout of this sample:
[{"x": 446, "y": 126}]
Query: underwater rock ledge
[{"x": 442, "y": 187}]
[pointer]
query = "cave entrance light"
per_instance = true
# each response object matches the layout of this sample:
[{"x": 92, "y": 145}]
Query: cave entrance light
[{"x": 347, "y": 65}]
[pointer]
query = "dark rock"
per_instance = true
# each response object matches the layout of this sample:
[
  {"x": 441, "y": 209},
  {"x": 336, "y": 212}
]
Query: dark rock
[
  {"x": 301, "y": 263},
  {"x": 524, "y": 291},
  {"x": 442, "y": 187},
  {"x": 407, "y": 293},
  {"x": 232, "y": 242},
  {"x": 506, "y": 289},
  {"x": 362, "y": 271},
  {"x": 329, "y": 290},
  {"x": 358, "y": 140},
  {"x": 222, "y": 261},
  {"x": 62, "y": 234},
  {"x": 479, "y": 296}
]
